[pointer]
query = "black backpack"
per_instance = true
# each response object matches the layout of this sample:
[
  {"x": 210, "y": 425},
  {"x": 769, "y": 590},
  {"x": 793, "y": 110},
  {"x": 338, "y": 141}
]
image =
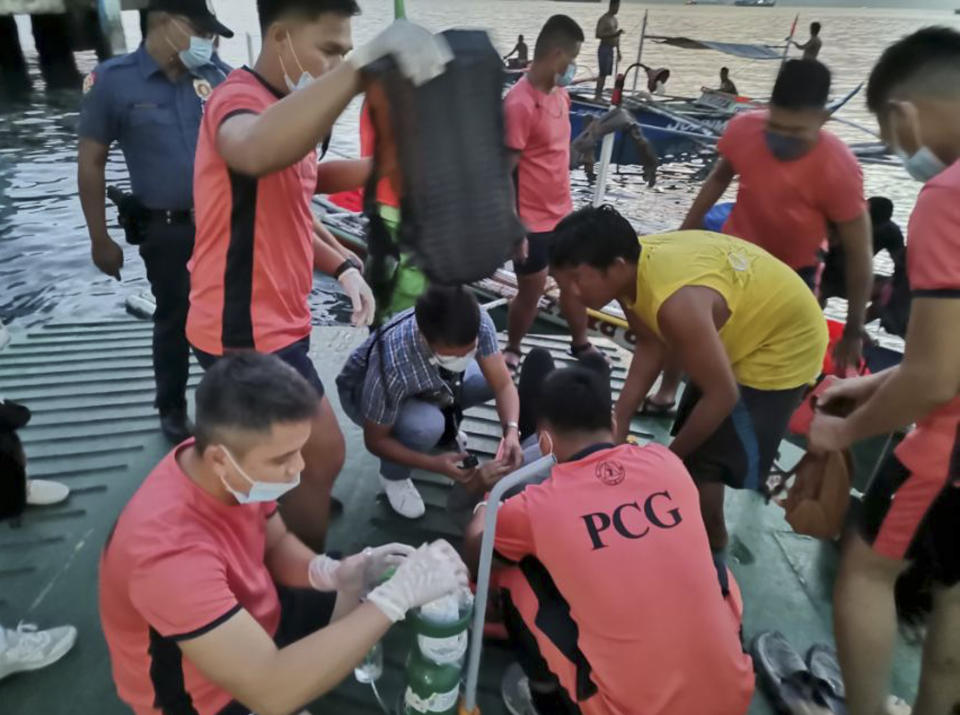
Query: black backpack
[
  {"x": 457, "y": 208},
  {"x": 13, "y": 463}
]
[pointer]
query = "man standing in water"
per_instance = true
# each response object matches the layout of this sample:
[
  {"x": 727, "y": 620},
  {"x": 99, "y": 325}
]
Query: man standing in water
[
  {"x": 811, "y": 48},
  {"x": 608, "y": 32},
  {"x": 537, "y": 114},
  {"x": 252, "y": 270},
  {"x": 151, "y": 102},
  {"x": 910, "y": 509},
  {"x": 795, "y": 178}
]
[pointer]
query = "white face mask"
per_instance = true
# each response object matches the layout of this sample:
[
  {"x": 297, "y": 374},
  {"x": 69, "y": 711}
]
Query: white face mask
[
  {"x": 200, "y": 52},
  {"x": 305, "y": 77},
  {"x": 259, "y": 491},
  {"x": 923, "y": 165},
  {"x": 455, "y": 363}
]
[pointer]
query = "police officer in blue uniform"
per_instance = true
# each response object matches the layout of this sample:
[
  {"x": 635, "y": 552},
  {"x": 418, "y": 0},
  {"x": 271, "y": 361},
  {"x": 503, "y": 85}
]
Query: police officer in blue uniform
[{"x": 151, "y": 102}]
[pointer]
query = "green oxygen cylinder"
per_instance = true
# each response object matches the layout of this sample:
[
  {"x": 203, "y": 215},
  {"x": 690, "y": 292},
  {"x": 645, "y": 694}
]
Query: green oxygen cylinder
[{"x": 435, "y": 663}]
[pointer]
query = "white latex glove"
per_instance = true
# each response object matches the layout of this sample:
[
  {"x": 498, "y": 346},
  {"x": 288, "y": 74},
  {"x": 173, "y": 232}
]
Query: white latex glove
[
  {"x": 431, "y": 572},
  {"x": 359, "y": 572},
  {"x": 360, "y": 295},
  {"x": 419, "y": 53}
]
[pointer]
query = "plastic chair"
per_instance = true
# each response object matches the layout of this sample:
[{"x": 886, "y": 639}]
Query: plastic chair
[{"x": 524, "y": 475}]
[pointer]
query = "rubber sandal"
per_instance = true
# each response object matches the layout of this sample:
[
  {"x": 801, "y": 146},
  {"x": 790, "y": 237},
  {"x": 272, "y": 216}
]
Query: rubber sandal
[
  {"x": 782, "y": 673},
  {"x": 588, "y": 348},
  {"x": 658, "y": 409},
  {"x": 511, "y": 366},
  {"x": 828, "y": 680}
]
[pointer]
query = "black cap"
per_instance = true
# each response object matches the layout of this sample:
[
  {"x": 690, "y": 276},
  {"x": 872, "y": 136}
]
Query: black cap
[{"x": 199, "y": 11}]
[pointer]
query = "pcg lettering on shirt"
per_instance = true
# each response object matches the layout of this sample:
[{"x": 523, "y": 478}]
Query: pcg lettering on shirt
[{"x": 627, "y": 519}]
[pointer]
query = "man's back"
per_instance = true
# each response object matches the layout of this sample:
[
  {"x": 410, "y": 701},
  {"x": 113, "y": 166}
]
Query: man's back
[{"x": 619, "y": 534}]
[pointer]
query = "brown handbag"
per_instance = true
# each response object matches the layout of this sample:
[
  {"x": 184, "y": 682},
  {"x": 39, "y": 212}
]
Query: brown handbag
[{"x": 817, "y": 501}]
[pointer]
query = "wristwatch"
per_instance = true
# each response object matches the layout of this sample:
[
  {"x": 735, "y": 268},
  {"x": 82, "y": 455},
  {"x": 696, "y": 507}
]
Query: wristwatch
[
  {"x": 510, "y": 425},
  {"x": 346, "y": 266}
]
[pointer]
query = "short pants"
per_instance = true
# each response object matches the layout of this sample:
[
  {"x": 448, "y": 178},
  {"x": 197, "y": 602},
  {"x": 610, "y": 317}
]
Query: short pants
[
  {"x": 538, "y": 254},
  {"x": 605, "y": 54},
  {"x": 303, "y": 611},
  {"x": 908, "y": 516},
  {"x": 296, "y": 355},
  {"x": 741, "y": 452}
]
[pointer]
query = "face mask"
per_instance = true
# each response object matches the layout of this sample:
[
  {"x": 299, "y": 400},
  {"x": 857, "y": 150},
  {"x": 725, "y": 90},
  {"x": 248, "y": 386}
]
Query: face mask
[
  {"x": 305, "y": 77},
  {"x": 563, "y": 80},
  {"x": 922, "y": 165},
  {"x": 259, "y": 491},
  {"x": 786, "y": 148},
  {"x": 200, "y": 52},
  {"x": 455, "y": 363}
]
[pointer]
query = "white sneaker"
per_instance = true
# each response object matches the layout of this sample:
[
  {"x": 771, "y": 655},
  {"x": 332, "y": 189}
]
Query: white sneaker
[
  {"x": 41, "y": 492},
  {"x": 29, "y": 649},
  {"x": 404, "y": 497}
]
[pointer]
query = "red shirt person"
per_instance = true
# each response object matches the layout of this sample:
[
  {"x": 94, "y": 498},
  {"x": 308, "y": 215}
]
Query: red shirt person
[
  {"x": 202, "y": 588},
  {"x": 909, "y": 515},
  {"x": 795, "y": 178},
  {"x": 613, "y": 579},
  {"x": 537, "y": 115},
  {"x": 255, "y": 174}
]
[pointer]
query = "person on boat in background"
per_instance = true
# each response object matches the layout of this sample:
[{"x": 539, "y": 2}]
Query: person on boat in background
[
  {"x": 811, "y": 48},
  {"x": 537, "y": 115},
  {"x": 740, "y": 323},
  {"x": 910, "y": 509},
  {"x": 890, "y": 300},
  {"x": 208, "y": 603},
  {"x": 608, "y": 32},
  {"x": 795, "y": 178},
  {"x": 726, "y": 84},
  {"x": 256, "y": 174},
  {"x": 151, "y": 102},
  {"x": 410, "y": 382},
  {"x": 522, "y": 53},
  {"x": 592, "y": 636}
]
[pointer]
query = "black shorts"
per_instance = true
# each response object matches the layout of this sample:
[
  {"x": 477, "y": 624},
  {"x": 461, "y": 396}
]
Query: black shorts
[
  {"x": 302, "y": 611},
  {"x": 538, "y": 255},
  {"x": 911, "y": 517},
  {"x": 296, "y": 356},
  {"x": 741, "y": 451}
]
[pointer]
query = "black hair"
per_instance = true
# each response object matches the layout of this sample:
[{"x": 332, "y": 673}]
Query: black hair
[
  {"x": 919, "y": 62},
  {"x": 575, "y": 399},
  {"x": 593, "y": 236},
  {"x": 881, "y": 209},
  {"x": 814, "y": 28},
  {"x": 449, "y": 315},
  {"x": 560, "y": 31},
  {"x": 520, "y": 37},
  {"x": 802, "y": 84},
  {"x": 724, "y": 70},
  {"x": 251, "y": 392},
  {"x": 270, "y": 11}
]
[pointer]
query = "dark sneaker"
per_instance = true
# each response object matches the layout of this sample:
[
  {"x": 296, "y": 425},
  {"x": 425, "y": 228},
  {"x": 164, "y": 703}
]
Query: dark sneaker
[{"x": 175, "y": 425}]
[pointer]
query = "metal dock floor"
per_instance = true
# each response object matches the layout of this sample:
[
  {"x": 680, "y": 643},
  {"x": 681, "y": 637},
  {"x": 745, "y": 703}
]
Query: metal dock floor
[{"x": 90, "y": 387}]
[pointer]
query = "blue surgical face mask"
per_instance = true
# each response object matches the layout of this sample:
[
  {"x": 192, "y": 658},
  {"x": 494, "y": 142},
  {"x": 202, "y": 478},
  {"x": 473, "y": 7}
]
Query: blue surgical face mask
[
  {"x": 259, "y": 491},
  {"x": 564, "y": 80},
  {"x": 786, "y": 148},
  {"x": 200, "y": 52},
  {"x": 922, "y": 165},
  {"x": 305, "y": 77}
]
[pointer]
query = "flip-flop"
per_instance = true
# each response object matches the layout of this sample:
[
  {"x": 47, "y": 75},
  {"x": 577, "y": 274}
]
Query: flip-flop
[
  {"x": 781, "y": 672},
  {"x": 828, "y": 680},
  {"x": 650, "y": 408}
]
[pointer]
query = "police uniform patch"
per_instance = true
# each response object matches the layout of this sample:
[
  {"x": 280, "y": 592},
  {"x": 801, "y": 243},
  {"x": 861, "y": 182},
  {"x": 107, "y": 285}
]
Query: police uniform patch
[
  {"x": 89, "y": 81},
  {"x": 203, "y": 89}
]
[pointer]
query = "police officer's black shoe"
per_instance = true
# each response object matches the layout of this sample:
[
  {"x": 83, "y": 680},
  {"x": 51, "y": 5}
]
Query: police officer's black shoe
[{"x": 175, "y": 425}]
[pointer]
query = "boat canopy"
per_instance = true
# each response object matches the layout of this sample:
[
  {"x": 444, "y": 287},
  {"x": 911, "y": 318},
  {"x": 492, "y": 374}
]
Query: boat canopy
[{"x": 737, "y": 49}]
